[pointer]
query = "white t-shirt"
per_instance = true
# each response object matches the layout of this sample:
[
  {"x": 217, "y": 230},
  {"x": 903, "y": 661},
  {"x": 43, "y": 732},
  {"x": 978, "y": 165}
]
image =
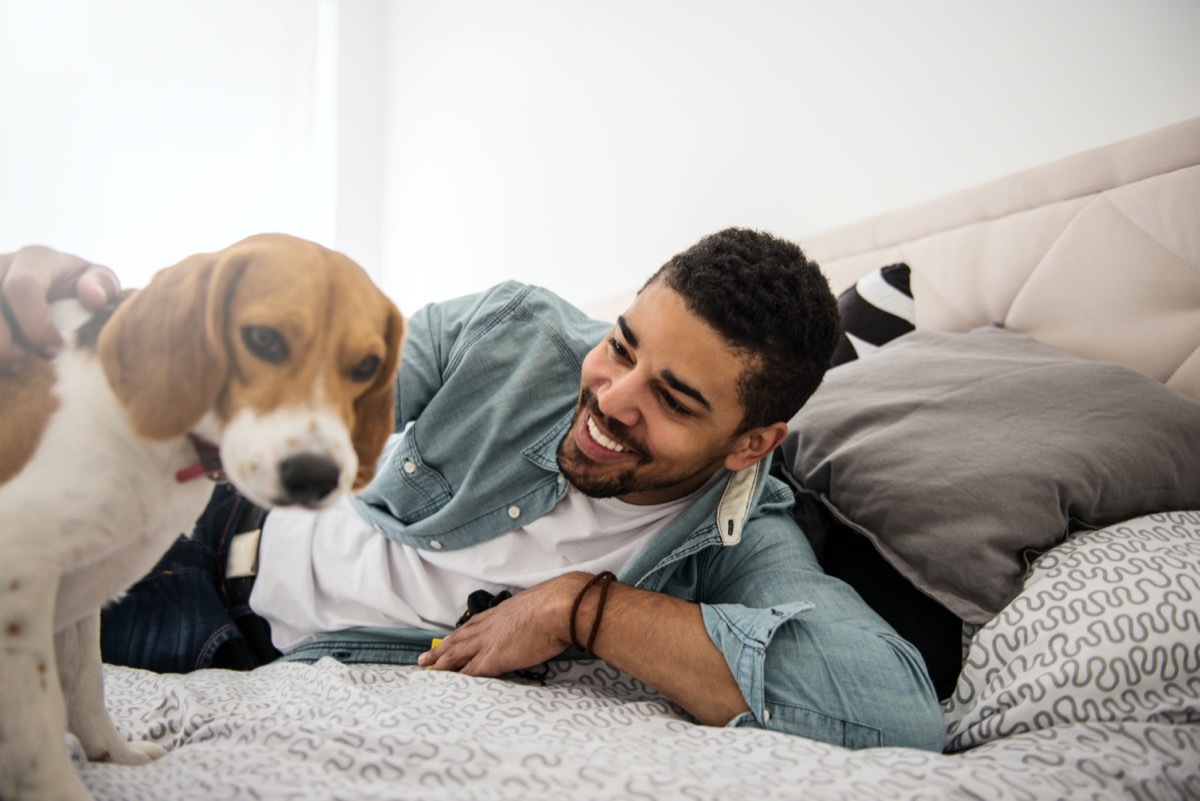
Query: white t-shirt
[{"x": 329, "y": 570}]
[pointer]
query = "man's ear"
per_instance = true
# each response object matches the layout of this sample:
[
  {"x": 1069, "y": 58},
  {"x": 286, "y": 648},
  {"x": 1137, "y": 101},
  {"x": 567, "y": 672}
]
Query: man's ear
[{"x": 753, "y": 445}]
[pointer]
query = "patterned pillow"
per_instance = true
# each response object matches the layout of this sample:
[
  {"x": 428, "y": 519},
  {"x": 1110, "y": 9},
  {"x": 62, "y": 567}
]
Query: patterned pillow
[
  {"x": 1107, "y": 629},
  {"x": 875, "y": 311}
]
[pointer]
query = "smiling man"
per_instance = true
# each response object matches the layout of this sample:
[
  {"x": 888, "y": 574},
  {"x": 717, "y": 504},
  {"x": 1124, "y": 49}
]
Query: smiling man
[
  {"x": 656, "y": 451},
  {"x": 613, "y": 478}
]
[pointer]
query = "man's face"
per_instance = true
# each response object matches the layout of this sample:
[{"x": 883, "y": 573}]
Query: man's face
[{"x": 658, "y": 406}]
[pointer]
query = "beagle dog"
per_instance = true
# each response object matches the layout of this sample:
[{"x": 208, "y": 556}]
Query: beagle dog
[{"x": 276, "y": 352}]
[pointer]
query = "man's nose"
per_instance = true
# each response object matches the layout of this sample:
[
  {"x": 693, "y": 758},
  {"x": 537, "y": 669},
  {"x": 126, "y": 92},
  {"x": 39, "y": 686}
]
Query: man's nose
[{"x": 620, "y": 400}]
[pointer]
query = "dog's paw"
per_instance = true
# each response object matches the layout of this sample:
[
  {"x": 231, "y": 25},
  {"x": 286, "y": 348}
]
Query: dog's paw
[{"x": 138, "y": 752}]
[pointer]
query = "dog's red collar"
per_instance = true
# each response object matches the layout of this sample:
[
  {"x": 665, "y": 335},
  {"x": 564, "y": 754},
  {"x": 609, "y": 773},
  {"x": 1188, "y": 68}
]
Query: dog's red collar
[{"x": 208, "y": 462}]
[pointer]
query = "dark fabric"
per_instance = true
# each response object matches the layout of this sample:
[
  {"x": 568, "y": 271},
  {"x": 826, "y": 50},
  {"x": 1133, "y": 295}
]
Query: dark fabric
[
  {"x": 934, "y": 630},
  {"x": 481, "y": 601},
  {"x": 185, "y": 615},
  {"x": 846, "y": 554}
]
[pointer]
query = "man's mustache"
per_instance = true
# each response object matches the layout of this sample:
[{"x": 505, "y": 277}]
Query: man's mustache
[{"x": 615, "y": 428}]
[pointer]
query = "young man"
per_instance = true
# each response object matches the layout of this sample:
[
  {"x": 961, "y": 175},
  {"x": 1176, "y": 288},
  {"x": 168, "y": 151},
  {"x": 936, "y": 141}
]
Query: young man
[{"x": 530, "y": 459}]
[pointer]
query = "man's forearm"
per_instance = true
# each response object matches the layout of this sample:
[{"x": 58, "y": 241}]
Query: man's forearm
[{"x": 661, "y": 640}]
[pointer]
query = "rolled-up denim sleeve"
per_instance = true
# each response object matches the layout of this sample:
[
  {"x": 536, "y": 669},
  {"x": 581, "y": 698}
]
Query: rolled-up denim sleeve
[
  {"x": 809, "y": 655},
  {"x": 856, "y": 687},
  {"x": 743, "y": 634}
]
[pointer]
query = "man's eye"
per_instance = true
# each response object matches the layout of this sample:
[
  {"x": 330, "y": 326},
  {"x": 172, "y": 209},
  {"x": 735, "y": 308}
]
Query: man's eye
[
  {"x": 618, "y": 348},
  {"x": 674, "y": 405},
  {"x": 266, "y": 343}
]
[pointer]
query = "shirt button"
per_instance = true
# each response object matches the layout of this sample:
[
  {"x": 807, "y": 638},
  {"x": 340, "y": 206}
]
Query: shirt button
[
  {"x": 410, "y": 467},
  {"x": 766, "y": 716},
  {"x": 562, "y": 479},
  {"x": 514, "y": 512},
  {"x": 435, "y": 544}
]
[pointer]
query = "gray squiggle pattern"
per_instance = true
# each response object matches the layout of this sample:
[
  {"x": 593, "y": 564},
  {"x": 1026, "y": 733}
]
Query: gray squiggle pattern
[
  {"x": 1107, "y": 629},
  {"x": 358, "y": 733}
]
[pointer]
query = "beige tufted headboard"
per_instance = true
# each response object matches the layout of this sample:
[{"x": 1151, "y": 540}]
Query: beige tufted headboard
[{"x": 1097, "y": 254}]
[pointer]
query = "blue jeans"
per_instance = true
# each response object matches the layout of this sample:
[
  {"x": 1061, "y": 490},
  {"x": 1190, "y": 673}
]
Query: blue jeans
[{"x": 185, "y": 615}]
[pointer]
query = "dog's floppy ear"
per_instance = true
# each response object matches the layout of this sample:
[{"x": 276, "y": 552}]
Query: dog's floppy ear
[
  {"x": 374, "y": 412},
  {"x": 164, "y": 350}
]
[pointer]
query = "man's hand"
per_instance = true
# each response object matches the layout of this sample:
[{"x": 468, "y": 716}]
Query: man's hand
[
  {"x": 30, "y": 280},
  {"x": 525, "y": 630},
  {"x": 654, "y": 637}
]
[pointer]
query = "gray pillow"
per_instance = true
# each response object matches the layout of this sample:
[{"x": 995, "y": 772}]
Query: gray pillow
[{"x": 962, "y": 456}]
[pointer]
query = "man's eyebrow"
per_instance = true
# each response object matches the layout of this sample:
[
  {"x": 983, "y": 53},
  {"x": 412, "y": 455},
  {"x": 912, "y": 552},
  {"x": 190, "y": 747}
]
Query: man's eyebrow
[
  {"x": 627, "y": 332},
  {"x": 674, "y": 382}
]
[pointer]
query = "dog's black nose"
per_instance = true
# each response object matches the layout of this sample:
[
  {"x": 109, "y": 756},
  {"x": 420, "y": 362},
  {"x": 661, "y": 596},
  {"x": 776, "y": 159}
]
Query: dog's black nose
[{"x": 308, "y": 478}]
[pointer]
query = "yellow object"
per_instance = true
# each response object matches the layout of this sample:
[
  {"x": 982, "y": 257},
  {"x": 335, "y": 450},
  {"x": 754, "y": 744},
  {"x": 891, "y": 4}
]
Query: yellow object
[{"x": 433, "y": 644}]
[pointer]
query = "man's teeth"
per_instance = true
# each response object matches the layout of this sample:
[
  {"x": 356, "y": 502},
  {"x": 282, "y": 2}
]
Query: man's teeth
[{"x": 603, "y": 440}]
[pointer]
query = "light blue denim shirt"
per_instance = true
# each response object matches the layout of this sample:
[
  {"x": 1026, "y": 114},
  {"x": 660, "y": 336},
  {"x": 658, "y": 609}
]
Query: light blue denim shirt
[{"x": 486, "y": 391}]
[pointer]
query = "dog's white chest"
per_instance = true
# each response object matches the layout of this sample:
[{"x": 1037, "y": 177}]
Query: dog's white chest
[{"x": 96, "y": 504}]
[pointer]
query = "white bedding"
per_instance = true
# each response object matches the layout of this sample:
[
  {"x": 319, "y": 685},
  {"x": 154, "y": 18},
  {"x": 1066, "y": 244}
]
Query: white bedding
[
  {"x": 1030, "y": 713},
  {"x": 291, "y": 731}
]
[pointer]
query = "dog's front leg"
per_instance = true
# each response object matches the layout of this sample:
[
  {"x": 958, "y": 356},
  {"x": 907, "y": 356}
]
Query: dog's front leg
[
  {"x": 34, "y": 763},
  {"x": 82, "y": 675}
]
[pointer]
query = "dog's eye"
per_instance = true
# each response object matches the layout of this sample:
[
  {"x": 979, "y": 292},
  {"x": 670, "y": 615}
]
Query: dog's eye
[
  {"x": 366, "y": 369},
  {"x": 266, "y": 343}
]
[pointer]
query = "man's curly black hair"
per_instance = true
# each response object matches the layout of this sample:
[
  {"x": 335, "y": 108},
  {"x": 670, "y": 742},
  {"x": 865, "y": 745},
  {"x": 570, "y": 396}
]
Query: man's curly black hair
[{"x": 765, "y": 298}]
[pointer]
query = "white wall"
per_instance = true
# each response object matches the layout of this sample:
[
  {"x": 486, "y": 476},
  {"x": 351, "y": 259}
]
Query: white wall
[
  {"x": 580, "y": 144},
  {"x": 135, "y": 132},
  {"x": 572, "y": 143}
]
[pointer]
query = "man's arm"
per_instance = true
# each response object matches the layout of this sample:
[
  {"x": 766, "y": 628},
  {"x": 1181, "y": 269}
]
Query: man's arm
[
  {"x": 434, "y": 332},
  {"x": 29, "y": 280},
  {"x": 657, "y": 638}
]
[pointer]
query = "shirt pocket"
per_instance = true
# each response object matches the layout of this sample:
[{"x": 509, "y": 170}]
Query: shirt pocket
[{"x": 408, "y": 488}]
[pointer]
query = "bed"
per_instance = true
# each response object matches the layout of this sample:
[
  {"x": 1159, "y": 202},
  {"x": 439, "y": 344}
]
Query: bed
[{"x": 1070, "y": 555}]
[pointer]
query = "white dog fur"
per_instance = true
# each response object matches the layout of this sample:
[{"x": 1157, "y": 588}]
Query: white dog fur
[{"x": 274, "y": 348}]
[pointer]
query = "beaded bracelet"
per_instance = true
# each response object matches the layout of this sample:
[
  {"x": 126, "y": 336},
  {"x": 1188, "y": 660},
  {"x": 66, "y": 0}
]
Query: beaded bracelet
[{"x": 604, "y": 580}]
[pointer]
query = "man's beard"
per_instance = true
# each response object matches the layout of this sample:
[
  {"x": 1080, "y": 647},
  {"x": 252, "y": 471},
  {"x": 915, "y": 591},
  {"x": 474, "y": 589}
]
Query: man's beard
[
  {"x": 579, "y": 469},
  {"x": 597, "y": 482},
  {"x": 575, "y": 466}
]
